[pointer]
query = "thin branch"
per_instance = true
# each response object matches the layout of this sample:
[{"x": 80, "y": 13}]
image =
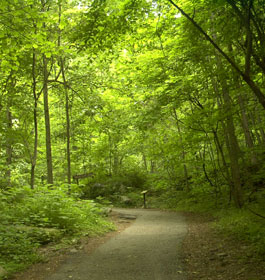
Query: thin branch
[
  {"x": 255, "y": 213},
  {"x": 256, "y": 90}
]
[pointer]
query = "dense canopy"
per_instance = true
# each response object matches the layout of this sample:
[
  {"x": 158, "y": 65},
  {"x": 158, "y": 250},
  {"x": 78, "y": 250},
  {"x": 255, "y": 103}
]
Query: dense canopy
[{"x": 113, "y": 97}]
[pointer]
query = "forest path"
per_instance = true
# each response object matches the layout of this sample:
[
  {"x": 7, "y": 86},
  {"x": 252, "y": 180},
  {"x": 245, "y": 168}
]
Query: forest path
[{"x": 149, "y": 249}]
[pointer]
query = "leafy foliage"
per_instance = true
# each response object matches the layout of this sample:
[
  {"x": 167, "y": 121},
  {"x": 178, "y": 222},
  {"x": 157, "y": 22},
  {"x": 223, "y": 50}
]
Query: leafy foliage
[
  {"x": 29, "y": 217},
  {"x": 164, "y": 96}
]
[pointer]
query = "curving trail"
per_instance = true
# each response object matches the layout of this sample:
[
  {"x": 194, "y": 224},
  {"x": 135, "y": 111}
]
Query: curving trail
[{"x": 147, "y": 250}]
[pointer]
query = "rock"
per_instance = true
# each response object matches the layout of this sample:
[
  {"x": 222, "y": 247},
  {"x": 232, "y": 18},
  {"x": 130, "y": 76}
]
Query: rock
[
  {"x": 3, "y": 272},
  {"x": 127, "y": 217}
]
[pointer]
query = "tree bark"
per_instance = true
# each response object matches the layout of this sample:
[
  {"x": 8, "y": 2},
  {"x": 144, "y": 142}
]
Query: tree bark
[
  {"x": 233, "y": 147},
  {"x": 185, "y": 169},
  {"x": 262, "y": 132},
  {"x": 68, "y": 140},
  {"x": 8, "y": 145},
  {"x": 245, "y": 126},
  {"x": 47, "y": 123},
  {"x": 35, "y": 117}
]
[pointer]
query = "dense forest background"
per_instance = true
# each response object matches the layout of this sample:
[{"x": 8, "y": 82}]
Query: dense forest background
[{"x": 104, "y": 99}]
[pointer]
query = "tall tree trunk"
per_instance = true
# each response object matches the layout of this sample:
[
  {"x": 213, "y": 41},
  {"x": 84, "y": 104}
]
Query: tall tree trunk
[
  {"x": 8, "y": 145},
  {"x": 115, "y": 160},
  {"x": 110, "y": 156},
  {"x": 262, "y": 132},
  {"x": 257, "y": 120},
  {"x": 68, "y": 140},
  {"x": 68, "y": 135},
  {"x": 47, "y": 123},
  {"x": 230, "y": 139},
  {"x": 233, "y": 153},
  {"x": 185, "y": 169},
  {"x": 220, "y": 149},
  {"x": 257, "y": 132},
  {"x": 152, "y": 166},
  {"x": 35, "y": 117},
  {"x": 144, "y": 161},
  {"x": 246, "y": 130},
  {"x": 233, "y": 147}
]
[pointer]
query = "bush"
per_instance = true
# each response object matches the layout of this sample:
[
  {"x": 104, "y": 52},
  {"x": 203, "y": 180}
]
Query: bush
[
  {"x": 243, "y": 225},
  {"x": 51, "y": 208},
  {"x": 28, "y": 217},
  {"x": 16, "y": 249},
  {"x": 116, "y": 185}
]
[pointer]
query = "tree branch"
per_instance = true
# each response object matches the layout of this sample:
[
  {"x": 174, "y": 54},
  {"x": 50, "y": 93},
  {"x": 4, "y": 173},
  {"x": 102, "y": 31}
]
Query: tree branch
[{"x": 256, "y": 90}]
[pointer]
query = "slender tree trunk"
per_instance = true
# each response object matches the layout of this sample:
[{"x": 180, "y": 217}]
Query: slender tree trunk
[
  {"x": 220, "y": 149},
  {"x": 256, "y": 132},
  {"x": 68, "y": 135},
  {"x": 153, "y": 166},
  {"x": 233, "y": 146},
  {"x": 8, "y": 145},
  {"x": 246, "y": 130},
  {"x": 145, "y": 162},
  {"x": 231, "y": 141},
  {"x": 35, "y": 117},
  {"x": 233, "y": 153},
  {"x": 68, "y": 142},
  {"x": 240, "y": 98},
  {"x": 262, "y": 132},
  {"x": 110, "y": 156},
  {"x": 115, "y": 161},
  {"x": 185, "y": 169},
  {"x": 47, "y": 123}
]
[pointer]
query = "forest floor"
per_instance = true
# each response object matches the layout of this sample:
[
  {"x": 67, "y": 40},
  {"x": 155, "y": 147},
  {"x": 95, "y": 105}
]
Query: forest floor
[{"x": 209, "y": 255}]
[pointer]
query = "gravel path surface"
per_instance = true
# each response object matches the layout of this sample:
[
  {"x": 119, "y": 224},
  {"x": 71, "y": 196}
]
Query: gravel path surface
[{"x": 147, "y": 250}]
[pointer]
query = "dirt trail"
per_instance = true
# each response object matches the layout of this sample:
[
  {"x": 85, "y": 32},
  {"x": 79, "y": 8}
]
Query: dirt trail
[{"x": 147, "y": 250}]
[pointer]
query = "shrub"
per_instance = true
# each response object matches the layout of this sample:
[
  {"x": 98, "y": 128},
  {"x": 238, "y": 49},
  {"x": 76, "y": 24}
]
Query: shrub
[
  {"x": 26, "y": 214},
  {"x": 51, "y": 208},
  {"x": 243, "y": 225}
]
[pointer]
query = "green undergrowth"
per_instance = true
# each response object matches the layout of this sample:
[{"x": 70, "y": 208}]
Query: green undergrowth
[
  {"x": 242, "y": 224},
  {"x": 32, "y": 218}
]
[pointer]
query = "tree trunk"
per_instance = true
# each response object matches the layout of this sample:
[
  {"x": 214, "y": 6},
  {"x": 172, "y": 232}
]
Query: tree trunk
[
  {"x": 230, "y": 139},
  {"x": 47, "y": 123},
  {"x": 262, "y": 133},
  {"x": 35, "y": 116},
  {"x": 144, "y": 161},
  {"x": 68, "y": 140},
  {"x": 220, "y": 149},
  {"x": 233, "y": 147},
  {"x": 185, "y": 169},
  {"x": 8, "y": 145},
  {"x": 110, "y": 156},
  {"x": 233, "y": 153},
  {"x": 245, "y": 125}
]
